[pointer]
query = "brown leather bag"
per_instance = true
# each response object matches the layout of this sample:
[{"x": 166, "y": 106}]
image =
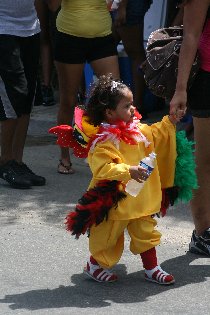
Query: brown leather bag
[{"x": 161, "y": 65}]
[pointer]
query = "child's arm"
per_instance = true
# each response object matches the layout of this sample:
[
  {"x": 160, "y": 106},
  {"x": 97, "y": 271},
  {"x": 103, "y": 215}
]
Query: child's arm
[
  {"x": 164, "y": 144},
  {"x": 106, "y": 163}
]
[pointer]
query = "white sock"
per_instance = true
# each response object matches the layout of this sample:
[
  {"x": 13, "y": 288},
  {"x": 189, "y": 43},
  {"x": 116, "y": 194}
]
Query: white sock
[{"x": 150, "y": 272}]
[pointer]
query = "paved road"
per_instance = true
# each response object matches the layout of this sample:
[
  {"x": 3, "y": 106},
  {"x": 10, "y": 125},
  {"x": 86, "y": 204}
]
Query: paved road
[{"x": 41, "y": 264}]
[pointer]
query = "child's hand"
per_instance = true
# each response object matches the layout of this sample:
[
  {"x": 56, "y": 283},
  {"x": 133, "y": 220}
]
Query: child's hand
[
  {"x": 175, "y": 118},
  {"x": 138, "y": 173}
]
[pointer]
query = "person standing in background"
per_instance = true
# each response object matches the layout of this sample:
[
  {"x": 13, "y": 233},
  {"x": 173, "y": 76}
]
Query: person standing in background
[
  {"x": 128, "y": 26},
  {"x": 197, "y": 37},
  {"x": 19, "y": 59},
  {"x": 83, "y": 35},
  {"x": 45, "y": 95}
]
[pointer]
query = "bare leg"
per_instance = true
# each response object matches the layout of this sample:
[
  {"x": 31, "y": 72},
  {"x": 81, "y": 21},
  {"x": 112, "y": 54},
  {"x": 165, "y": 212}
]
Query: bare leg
[
  {"x": 200, "y": 205},
  {"x": 13, "y": 136},
  {"x": 132, "y": 38},
  {"x": 20, "y": 137},
  {"x": 7, "y": 134},
  {"x": 69, "y": 77},
  {"x": 45, "y": 42},
  {"x": 106, "y": 65}
]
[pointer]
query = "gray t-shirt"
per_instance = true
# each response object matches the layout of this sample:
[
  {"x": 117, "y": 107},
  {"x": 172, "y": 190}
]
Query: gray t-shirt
[{"x": 19, "y": 18}]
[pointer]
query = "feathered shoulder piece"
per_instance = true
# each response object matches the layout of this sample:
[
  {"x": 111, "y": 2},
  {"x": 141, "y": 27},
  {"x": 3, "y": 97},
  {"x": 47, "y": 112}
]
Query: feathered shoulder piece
[{"x": 77, "y": 137}]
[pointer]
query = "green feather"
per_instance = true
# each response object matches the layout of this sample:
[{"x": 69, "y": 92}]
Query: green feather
[{"x": 185, "y": 176}]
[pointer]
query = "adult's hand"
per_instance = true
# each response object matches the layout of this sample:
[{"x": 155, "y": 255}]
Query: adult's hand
[
  {"x": 120, "y": 18},
  {"x": 178, "y": 104}
]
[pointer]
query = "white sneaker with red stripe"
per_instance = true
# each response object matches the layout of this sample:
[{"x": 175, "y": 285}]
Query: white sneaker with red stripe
[
  {"x": 98, "y": 273},
  {"x": 159, "y": 276}
]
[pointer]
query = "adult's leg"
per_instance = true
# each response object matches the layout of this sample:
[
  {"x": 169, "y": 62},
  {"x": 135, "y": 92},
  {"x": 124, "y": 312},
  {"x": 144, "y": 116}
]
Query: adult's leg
[
  {"x": 46, "y": 51},
  {"x": 13, "y": 136},
  {"x": 7, "y": 134},
  {"x": 30, "y": 61},
  {"x": 69, "y": 77},
  {"x": 200, "y": 205},
  {"x": 19, "y": 138},
  {"x": 17, "y": 92},
  {"x": 45, "y": 43},
  {"x": 106, "y": 65},
  {"x": 18, "y": 85},
  {"x": 132, "y": 38}
]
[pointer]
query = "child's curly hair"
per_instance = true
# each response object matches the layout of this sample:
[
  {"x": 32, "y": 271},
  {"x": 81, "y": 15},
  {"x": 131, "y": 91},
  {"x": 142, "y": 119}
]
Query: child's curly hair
[{"x": 105, "y": 94}]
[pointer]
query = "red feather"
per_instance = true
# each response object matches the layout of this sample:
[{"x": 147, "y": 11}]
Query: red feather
[
  {"x": 169, "y": 195},
  {"x": 94, "y": 207}
]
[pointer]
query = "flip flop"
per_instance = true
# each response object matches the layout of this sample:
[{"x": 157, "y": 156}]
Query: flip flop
[{"x": 65, "y": 169}]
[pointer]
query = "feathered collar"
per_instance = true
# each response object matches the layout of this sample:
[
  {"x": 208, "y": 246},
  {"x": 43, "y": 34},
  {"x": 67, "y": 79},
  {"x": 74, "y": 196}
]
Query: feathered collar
[
  {"x": 121, "y": 131},
  {"x": 84, "y": 136}
]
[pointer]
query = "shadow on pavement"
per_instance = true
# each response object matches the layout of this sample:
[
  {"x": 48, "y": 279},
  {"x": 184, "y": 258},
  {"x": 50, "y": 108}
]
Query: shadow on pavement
[{"x": 85, "y": 293}]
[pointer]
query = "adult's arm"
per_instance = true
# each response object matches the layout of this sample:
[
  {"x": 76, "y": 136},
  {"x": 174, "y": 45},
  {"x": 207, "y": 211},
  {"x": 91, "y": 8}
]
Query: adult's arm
[
  {"x": 53, "y": 4},
  {"x": 120, "y": 18},
  {"x": 194, "y": 18},
  {"x": 178, "y": 20}
]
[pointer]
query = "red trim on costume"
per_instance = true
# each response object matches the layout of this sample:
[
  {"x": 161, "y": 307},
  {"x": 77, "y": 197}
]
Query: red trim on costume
[{"x": 67, "y": 139}]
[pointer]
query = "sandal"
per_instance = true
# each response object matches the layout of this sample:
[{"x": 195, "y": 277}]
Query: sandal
[
  {"x": 97, "y": 273},
  {"x": 159, "y": 276},
  {"x": 65, "y": 169}
]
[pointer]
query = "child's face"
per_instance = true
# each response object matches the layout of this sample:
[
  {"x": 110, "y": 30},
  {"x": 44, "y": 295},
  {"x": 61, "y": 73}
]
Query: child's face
[{"x": 124, "y": 110}]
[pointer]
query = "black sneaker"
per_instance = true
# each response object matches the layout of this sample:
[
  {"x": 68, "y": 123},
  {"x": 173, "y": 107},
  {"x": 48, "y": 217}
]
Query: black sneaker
[
  {"x": 35, "y": 180},
  {"x": 14, "y": 175},
  {"x": 200, "y": 244},
  {"x": 47, "y": 96}
]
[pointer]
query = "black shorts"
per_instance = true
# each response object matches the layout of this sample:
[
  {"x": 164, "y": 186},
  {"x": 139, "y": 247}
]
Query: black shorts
[
  {"x": 78, "y": 50},
  {"x": 19, "y": 60},
  {"x": 199, "y": 95}
]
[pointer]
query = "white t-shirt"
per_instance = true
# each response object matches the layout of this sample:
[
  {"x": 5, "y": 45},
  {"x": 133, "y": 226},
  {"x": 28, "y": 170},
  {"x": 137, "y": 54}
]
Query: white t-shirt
[{"x": 19, "y": 18}]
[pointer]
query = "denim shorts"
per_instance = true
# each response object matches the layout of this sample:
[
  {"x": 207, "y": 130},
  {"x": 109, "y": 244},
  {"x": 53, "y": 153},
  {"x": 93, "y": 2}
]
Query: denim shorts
[
  {"x": 136, "y": 10},
  {"x": 199, "y": 95}
]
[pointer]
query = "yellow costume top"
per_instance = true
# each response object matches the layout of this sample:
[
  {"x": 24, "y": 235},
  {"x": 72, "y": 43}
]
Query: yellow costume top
[
  {"x": 84, "y": 18},
  {"x": 111, "y": 150},
  {"x": 107, "y": 162}
]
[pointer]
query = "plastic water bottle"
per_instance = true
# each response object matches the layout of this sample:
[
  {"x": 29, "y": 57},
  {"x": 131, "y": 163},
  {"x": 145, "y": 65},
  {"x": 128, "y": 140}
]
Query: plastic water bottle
[{"x": 133, "y": 187}]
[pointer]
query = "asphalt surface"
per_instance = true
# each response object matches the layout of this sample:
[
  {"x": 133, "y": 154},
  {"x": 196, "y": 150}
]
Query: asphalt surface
[{"x": 41, "y": 264}]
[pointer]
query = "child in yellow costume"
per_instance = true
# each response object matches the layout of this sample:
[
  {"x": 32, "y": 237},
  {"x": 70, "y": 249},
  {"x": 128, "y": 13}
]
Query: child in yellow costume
[{"x": 116, "y": 145}]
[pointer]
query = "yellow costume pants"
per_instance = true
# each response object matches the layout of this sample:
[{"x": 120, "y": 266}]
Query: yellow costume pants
[{"x": 106, "y": 242}]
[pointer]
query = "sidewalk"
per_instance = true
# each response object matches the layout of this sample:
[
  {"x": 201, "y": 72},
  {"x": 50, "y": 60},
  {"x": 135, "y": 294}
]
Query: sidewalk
[{"x": 41, "y": 264}]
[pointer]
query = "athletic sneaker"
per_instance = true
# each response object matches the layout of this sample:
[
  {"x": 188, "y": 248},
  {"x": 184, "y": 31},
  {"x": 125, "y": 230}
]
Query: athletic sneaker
[
  {"x": 35, "y": 180},
  {"x": 14, "y": 175},
  {"x": 200, "y": 244}
]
